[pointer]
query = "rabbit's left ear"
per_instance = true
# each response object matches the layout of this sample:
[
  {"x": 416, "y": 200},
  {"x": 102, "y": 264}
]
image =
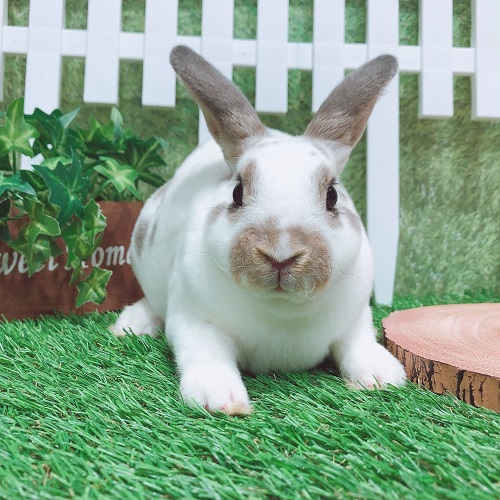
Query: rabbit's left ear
[
  {"x": 342, "y": 117},
  {"x": 230, "y": 118}
]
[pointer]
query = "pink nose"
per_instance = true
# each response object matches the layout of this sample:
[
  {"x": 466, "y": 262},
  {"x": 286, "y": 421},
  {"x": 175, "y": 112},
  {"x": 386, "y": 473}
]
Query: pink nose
[{"x": 281, "y": 264}]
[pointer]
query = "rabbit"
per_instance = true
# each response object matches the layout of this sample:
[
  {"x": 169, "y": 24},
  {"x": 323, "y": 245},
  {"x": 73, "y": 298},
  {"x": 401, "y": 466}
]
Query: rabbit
[{"x": 253, "y": 257}]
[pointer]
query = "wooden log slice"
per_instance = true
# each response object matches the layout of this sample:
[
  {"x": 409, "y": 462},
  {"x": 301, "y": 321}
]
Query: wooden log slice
[{"x": 451, "y": 348}]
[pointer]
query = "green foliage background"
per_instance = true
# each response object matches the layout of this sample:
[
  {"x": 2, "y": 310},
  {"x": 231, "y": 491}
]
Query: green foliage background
[{"x": 450, "y": 169}]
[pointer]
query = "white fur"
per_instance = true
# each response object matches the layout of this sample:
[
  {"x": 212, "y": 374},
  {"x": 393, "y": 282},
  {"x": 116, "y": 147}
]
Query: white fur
[
  {"x": 216, "y": 326},
  {"x": 139, "y": 317}
]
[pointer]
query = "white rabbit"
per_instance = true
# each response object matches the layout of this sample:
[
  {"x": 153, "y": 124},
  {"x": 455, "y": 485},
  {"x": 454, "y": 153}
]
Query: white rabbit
[{"x": 255, "y": 258}]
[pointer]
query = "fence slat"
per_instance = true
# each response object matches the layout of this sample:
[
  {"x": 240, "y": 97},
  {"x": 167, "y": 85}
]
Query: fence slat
[
  {"x": 3, "y": 23},
  {"x": 486, "y": 41},
  {"x": 43, "y": 59},
  {"x": 102, "y": 63},
  {"x": 158, "y": 78},
  {"x": 299, "y": 54},
  {"x": 436, "y": 77},
  {"x": 131, "y": 47},
  {"x": 383, "y": 153},
  {"x": 328, "y": 48},
  {"x": 271, "y": 89},
  {"x": 217, "y": 24}
]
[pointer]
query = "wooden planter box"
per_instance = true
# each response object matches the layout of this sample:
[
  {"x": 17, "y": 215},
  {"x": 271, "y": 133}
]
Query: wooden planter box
[{"x": 48, "y": 291}]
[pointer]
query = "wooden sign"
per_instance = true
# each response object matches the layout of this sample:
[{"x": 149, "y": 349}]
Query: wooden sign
[
  {"x": 451, "y": 348},
  {"x": 48, "y": 291}
]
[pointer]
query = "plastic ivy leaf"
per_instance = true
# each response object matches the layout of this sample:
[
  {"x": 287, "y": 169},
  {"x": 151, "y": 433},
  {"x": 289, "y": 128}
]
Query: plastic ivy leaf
[
  {"x": 4, "y": 217},
  {"x": 54, "y": 160},
  {"x": 56, "y": 137},
  {"x": 143, "y": 155},
  {"x": 70, "y": 234},
  {"x": 122, "y": 177},
  {"x": 36, "y": 254},
  {"x": 4, "y": 209},
  {"x": 5, "y": 235},
  {"x": 5, "y": 163},
  {"x": 16, "y": 133},
  {"x": 117, "y": 120},
  {"x": 66, "y": 119},
  {"x": 39, "y": 222},
  {"x": 14, "y": 183},
  {"x": 42, "y": 191},
  {"x": 34, "y": 240},
  {"x": 67, "y": 187},
  {"x": 83, "y": 237},
  {"x": 35, "y": 180},
  {"x": 104, "y": 139},
  {"x": 94, "y": 219},
  {"x": 93, "y": 134},
  {"x": 93, "y": 289}
]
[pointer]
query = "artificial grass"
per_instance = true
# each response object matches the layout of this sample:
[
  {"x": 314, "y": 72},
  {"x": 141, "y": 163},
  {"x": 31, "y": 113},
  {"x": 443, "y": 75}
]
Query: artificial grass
[{"x": 84, "y": 414}]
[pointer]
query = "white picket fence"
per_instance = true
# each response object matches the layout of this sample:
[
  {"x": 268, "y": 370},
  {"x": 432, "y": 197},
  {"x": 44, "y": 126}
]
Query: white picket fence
[{"x": 103, "y": 45}]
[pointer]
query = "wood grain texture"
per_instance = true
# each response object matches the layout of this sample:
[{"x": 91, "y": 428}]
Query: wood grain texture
[{"x": 452, "y": 348}]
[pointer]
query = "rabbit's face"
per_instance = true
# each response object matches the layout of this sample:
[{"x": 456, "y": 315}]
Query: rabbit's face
[{"x": 289, "y": 218}]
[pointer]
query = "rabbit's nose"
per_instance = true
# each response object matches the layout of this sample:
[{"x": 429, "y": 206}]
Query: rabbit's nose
[{"x": 279, "y": 263}]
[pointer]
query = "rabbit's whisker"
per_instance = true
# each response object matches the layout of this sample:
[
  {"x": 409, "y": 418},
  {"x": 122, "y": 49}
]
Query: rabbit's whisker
[
  {"x": 215, "y": 260},
  {"x": 350, "y": 274}
]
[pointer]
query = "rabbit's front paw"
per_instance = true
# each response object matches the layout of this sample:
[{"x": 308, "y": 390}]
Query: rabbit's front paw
[
  {"x": 139, "y": 319},
  {"x": 373, "y": 368},
  {"x": 216, "y": 388}
]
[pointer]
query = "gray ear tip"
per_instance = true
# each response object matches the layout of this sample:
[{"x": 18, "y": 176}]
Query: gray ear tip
[
  {"x": 389, "y": 63},
  {"x": 178, "y": 54}
]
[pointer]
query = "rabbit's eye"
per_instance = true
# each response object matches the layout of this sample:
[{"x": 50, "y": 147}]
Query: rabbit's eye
[
  {"x": 331, "y": 198},
  {"x": 238, "y": 194}
]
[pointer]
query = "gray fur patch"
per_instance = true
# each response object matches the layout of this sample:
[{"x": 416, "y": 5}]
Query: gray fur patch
[
  {"x": 153, "y": 233},
  {"x": 248, "y": 176},
  {"x": 140, "y": 235},
  {"x": 143, "y": 226}
]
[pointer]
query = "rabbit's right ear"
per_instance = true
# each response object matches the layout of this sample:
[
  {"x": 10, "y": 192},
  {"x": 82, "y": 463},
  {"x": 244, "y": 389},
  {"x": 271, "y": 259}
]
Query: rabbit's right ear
[
  {"x": 230, "y": 118},
  {"x": 342, "y": 118}
]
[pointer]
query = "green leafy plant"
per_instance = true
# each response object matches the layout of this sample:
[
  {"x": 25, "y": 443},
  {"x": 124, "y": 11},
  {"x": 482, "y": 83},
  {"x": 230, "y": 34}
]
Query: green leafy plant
[{"x": 58, "y": 198}]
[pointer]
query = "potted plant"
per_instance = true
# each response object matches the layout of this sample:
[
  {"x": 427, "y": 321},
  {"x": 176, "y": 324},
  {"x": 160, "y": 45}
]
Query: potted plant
[{"x": 63, "y": 227}]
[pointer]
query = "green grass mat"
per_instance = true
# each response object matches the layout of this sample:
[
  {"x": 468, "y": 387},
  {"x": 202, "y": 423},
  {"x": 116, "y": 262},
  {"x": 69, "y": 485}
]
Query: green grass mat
[{"x": 84, "y": 414}]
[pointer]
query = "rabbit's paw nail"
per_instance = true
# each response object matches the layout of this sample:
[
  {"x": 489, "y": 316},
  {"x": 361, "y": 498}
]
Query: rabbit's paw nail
[
  {"x": 237, "y": 408},
  {"x": 216, "y": 389}
]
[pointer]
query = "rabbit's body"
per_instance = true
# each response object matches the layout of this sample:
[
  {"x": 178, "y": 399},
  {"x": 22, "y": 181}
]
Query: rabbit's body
[
  {"x": 271, "y": 331},
  {"x": 265, "y": 265}
]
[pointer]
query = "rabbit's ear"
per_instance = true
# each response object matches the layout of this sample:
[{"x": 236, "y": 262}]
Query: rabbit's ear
[
  {"x": 231, "y": 119},
  {"x": 342, "y": 117}
]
